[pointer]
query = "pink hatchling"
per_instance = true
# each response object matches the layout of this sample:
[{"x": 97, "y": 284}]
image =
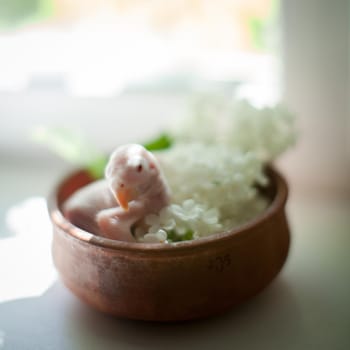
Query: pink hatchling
[{"x": 134, "y": 187}]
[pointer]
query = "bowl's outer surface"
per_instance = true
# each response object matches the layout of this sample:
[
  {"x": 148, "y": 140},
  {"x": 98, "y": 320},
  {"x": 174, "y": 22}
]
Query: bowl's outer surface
[{"x": 187, "y": 281}]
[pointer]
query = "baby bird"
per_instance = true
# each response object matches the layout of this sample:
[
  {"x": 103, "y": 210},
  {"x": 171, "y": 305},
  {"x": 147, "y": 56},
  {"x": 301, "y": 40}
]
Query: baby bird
[{"x": 134, "y": 187}]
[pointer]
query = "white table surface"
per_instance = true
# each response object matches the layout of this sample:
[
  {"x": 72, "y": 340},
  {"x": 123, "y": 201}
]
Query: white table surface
[{"x": 306, "y": 307}]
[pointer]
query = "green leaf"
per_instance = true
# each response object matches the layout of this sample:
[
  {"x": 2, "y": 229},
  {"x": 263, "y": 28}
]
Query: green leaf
[
  {"x": 97, "y": 168},
  {"x": 256, "y": 26},
  {"x": 173, "y": 236},
  {"x": 72, "y": 147},
  {"x": 163, "y": 141}
]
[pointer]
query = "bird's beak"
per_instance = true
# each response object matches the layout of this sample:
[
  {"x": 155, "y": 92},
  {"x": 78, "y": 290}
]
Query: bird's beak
[{"x": 124, "y": 196}]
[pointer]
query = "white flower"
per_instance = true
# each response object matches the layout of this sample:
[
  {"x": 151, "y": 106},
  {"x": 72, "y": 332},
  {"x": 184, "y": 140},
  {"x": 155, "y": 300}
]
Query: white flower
[
  {"x": 218, "y": 119},
  {"x": 214, "y": 167},
  {"x": 157, "y": 237}
]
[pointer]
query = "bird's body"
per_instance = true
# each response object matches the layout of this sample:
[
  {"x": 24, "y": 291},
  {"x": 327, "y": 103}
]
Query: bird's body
[{"x": 134, "y": 187}]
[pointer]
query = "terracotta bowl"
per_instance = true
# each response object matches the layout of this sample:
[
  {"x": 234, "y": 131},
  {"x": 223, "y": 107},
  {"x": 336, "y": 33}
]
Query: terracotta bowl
[{"x": 180, "y": 281}]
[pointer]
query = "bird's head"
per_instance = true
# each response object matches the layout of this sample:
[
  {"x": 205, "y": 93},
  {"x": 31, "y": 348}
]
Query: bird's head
[{"x": 130, "y": 172}]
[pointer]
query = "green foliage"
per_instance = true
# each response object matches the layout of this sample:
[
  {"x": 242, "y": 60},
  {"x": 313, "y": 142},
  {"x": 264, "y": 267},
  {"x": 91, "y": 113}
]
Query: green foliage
[
  {"x": 21, "y": 12},
  {"x": 173, "y": 236},
  {"x": 257, "y": 32},
  {"x": 262, "y": 29},
  {"x": 72, "y": 147},
  {"x": 162, "y": 142},
  {"x": 75, "y": 149}
]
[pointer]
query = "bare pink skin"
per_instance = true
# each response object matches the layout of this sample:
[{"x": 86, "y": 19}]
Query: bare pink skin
[{"x": 134, "y": 187}]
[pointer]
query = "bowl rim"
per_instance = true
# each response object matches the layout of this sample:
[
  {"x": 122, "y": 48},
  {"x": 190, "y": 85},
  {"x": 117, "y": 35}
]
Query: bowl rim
[{"x": 58, "y": 219}]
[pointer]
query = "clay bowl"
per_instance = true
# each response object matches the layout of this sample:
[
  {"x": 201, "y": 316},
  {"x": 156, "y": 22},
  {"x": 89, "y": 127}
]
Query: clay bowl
[{"x": 181, "y": 281}]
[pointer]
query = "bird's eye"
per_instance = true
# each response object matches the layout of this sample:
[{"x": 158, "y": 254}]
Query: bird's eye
[
  {"x": 121, "y": 185},
  {"x": 139, "y": 168}
]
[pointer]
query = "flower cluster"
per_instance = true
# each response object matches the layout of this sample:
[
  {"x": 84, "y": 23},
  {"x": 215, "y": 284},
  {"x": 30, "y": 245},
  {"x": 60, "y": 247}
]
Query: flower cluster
[
  {"x": 267, "y": 132},
  {"x": 212, "y": 188},
  {"x": 179, "y": 222},
  {"x": 214, "y": 166}
]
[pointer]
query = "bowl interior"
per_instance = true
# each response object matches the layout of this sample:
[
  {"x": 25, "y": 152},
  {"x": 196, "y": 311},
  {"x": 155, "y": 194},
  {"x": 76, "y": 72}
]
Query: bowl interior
[{"x": 276, "y": 191}]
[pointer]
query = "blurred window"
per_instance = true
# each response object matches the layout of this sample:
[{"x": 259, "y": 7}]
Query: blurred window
[{"x": 104, "y": 47}]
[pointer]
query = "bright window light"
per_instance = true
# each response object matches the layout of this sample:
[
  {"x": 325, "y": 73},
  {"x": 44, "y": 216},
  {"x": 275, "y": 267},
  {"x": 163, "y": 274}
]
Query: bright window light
[
  {"x": 101, "y": 48},
  {"x": 26, "y": 256}
]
